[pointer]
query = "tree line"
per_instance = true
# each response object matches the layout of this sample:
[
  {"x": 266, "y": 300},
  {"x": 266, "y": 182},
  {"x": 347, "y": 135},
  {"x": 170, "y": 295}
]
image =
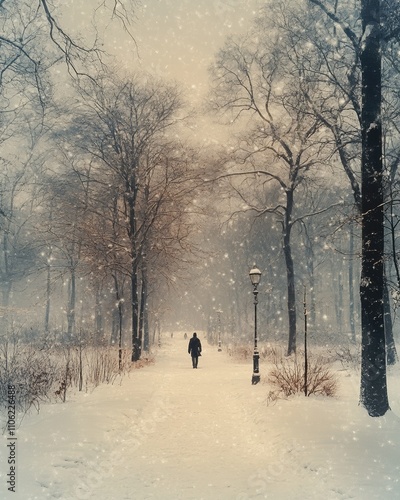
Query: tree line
[
  {"x": 312, "y": 82},
  {"x": 96, "y": 186}
]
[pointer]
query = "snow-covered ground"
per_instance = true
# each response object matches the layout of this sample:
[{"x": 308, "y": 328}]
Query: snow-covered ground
[{"x": 169, "y": 432}]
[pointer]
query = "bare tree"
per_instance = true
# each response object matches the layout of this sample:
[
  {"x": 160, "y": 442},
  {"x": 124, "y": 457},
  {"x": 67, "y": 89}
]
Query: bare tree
[
  {"x": 255, "y": 76},
  {"x": 367, "y": 49},
  {"x": 34, "y": 38},
  {"x": 373, "y": 367},
  {"x": 126, "y": 132}
]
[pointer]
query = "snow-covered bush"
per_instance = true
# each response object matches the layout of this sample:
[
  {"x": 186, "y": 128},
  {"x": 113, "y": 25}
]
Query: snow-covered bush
[
  {"x": 30, "y": 371},
  {"x": 288, "y": 376}
]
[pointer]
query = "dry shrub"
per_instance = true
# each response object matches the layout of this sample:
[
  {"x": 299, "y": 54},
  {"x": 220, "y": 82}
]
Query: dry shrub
[
  {"x": 101, "y": 367},
  {"x": 47, "y": 372},
  {"x": 30, "y": 371},
  {"x": 245, "y": 352},
  {"x": 90, "y": 367},
  {"x": 288, "y": 377},
  {"x": 38, "y": 377},
  {"x": 240, "y": 352}
]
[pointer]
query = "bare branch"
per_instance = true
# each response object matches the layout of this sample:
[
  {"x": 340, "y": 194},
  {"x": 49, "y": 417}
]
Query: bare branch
[
  {"x": 345, "y": 27},
  {"x": 318, "y": 212},
  {"x": 250, "y": 172}
]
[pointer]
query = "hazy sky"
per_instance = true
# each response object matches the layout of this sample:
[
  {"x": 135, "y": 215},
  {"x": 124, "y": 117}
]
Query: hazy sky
[{"x": 176, "y": 39}]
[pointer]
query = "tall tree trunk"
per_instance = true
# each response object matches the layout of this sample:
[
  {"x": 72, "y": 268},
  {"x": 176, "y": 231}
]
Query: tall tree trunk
[
  {"x": 339, "y": 308},
  {"x": 136, "y": 342},
  {"x": 48, "y": 279},
  {"x": 144, "y": 318},
  {"x": 99, "y": 314},
  {"x": 291, "y": 297},
  {"x": 71, "y": 313},
  {"x": 373, "y": 393},
  {"x": 48, "y": 297},
  {"x": 146, "y": 330},
  {"x": 130, "y": 200},
  {"x": 309, "y": 254},
  {"x": 391, "y": 353},
  {"x": 313, "y": 300},
  {"x": 117, "y": 320},
  {"x": 351, "y": 286},
  {"x": 143, "y": 299},
  {"x": 114, "y": 326},
  {"x": 120, "y": 316}
]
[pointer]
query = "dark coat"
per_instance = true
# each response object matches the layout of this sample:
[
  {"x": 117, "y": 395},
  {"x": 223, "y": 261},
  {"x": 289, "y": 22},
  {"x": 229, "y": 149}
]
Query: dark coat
[{"x": 194, "y": 347}]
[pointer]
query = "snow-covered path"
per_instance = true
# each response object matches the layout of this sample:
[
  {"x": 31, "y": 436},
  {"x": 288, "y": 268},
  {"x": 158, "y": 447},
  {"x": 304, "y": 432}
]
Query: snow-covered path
[
  {"x": 169, "y": 432},
  {"x": 194, "y": 442}
]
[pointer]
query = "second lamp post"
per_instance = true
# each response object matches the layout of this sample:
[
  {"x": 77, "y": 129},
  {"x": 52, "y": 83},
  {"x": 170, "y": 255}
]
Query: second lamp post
[{"x": 255, "y": 276}]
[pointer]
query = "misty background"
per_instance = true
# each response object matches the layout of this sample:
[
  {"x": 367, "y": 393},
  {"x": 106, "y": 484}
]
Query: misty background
[{"x": 150, "y": 157}]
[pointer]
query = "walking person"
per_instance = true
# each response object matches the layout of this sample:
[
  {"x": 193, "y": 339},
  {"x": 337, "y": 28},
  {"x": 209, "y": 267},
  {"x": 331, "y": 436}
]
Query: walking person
[{"x": 194, "y": 349}]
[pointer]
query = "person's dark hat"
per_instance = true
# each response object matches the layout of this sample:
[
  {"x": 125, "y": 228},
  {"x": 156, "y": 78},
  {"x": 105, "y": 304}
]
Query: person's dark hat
[{"x": 195, "y": 334}]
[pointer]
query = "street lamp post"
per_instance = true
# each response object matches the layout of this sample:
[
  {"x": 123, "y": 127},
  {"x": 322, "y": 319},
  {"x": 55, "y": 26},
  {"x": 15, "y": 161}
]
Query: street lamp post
[{"x": 255, "y": 276}]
